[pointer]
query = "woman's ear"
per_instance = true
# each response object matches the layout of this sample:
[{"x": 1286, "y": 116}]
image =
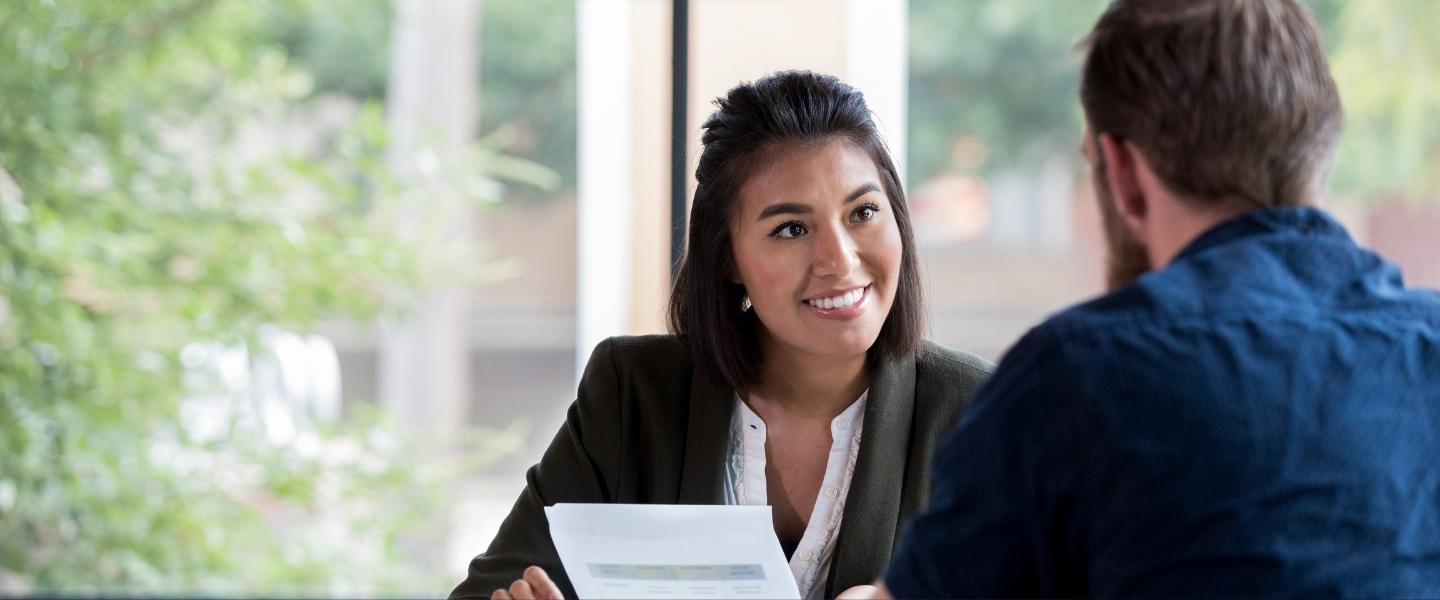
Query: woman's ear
[{"x": 1122, "y": 159}]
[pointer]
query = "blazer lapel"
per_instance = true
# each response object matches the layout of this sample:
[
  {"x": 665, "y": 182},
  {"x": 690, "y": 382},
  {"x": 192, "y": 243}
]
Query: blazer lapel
[
  {"x": 872, "y": 506},
  {"x": 707, "y": 441}
]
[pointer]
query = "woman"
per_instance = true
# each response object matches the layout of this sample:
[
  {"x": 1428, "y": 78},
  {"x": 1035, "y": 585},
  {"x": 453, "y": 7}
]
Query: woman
[{"x": 796, "y": 377}]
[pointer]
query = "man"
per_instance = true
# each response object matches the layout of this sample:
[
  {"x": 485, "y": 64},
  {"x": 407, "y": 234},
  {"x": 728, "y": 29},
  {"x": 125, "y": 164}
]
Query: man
[{"x": 1254, "y": 409}]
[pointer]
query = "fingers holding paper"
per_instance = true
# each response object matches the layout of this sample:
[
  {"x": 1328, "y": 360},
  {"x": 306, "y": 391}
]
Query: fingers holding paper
[
  {"x": 866, "y": 592},
  {"x": 859, "y": 592},
  {"x": 535, "y": 584}
]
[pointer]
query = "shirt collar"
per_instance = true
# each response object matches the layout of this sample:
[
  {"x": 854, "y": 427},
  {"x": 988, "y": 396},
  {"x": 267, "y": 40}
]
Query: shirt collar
[
  {"x": 852, "y": 417},
  {"x": 1303, "y": 220}
]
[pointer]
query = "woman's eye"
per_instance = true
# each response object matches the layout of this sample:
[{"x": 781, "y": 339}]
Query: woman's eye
[
  {"x": 866, "y": 212},
  {"x": 788, "y": 230}
]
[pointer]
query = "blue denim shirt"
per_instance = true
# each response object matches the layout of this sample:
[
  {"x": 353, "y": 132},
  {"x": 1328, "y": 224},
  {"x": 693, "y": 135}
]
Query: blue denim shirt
[{"x": 1260, "y": 418}]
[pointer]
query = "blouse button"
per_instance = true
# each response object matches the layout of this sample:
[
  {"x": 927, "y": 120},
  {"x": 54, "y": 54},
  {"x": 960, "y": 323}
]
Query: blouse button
[
  {"x": 832, "y": 493},
  {"x": 844, "y": 423},
  {"x": 807, "y": 555}
]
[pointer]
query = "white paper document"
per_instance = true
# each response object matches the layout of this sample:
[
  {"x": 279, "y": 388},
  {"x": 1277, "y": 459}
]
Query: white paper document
[{"x": 670, "y": 551}]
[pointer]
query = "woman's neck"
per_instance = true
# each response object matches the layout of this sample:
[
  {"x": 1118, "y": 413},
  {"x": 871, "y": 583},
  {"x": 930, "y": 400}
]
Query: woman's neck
[{"x": 810, "y": 386}]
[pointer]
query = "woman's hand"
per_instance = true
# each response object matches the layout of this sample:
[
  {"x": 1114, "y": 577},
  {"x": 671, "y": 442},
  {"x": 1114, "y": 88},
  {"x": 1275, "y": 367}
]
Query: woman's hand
[
  {"x": 535, "y": 584},
  {"x": 866, "y": 592}
]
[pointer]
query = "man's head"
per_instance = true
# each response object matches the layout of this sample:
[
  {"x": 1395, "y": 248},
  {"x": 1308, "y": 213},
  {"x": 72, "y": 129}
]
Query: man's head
[{"x": 1219, "y": 106}]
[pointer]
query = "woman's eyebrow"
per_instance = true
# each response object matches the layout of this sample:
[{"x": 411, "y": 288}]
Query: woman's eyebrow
[
  {"x": 865, "y": 188},
  {"x": 782, "y": 208}
]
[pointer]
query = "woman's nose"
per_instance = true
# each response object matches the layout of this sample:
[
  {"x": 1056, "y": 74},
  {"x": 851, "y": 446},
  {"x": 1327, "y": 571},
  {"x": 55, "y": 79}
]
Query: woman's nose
[{"x": 835, "y": 253}]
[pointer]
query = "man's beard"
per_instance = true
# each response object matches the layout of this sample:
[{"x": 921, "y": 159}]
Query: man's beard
[{"x": 1125, "y": 256}]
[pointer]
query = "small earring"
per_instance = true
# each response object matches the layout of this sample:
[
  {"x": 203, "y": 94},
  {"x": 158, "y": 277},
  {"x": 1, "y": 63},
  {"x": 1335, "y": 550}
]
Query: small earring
[{"x": 745, "y": 303}]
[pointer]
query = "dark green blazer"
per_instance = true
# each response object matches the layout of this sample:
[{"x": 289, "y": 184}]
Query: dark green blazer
[{"x": 650, "y": 428}]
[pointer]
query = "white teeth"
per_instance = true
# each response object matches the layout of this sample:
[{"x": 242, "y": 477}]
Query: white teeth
[{"x": 847, "y": 299}]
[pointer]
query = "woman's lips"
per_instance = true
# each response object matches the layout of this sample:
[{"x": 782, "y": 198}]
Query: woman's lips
[{"x": 841, "y": 313}]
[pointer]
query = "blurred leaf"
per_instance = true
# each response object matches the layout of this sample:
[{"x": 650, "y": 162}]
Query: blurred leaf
[
  {"x": 1386, "y": 59},
  {"x": 167, "y": 178},
  {"x": 1006, "y": 74}
]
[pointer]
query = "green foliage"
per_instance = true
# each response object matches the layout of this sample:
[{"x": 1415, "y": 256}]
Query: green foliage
[
  {"x": 1005, "y": 74},
  {"x": 345, "y": 45},
  {"x": 1386, "y": 59},
  {"x": 528, "y": 94},
  {"x": 527, "y": 71},
  {"x": 146, "y": 205}
]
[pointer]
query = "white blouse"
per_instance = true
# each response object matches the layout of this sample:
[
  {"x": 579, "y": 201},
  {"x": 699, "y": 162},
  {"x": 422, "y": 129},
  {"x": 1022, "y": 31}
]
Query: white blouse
[{"x": 745, "y": 485}]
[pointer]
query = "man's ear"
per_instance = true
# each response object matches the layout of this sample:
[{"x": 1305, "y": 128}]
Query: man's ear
[{"x": 1121, "y": 163}]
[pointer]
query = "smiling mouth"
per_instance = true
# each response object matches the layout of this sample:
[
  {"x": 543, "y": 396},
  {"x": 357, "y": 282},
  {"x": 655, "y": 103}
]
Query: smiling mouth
[{"x": 842, "y": 301}]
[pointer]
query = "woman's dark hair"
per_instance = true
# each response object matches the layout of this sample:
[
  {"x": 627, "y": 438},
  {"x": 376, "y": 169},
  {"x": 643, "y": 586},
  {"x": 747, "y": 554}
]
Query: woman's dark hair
[{"x": 789, "y": 107}]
